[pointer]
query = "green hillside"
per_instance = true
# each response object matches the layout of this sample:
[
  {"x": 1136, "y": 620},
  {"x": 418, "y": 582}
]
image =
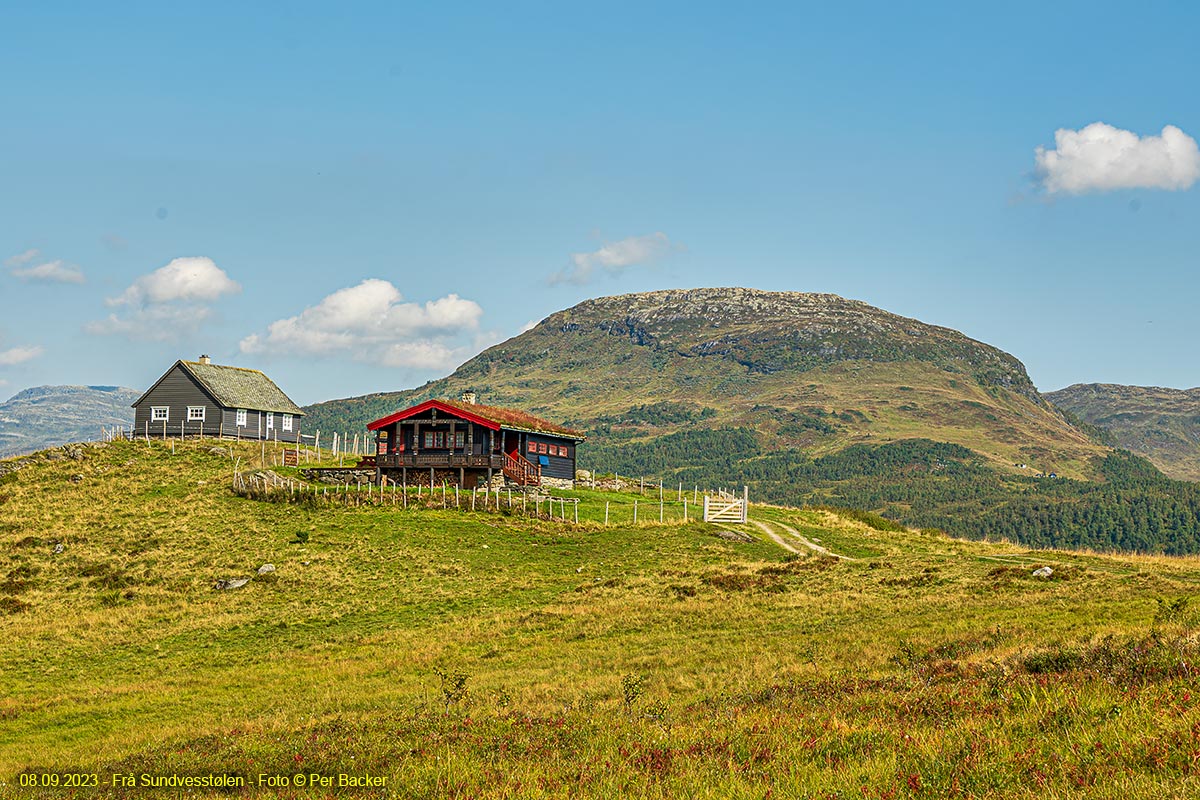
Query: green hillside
[
  {"x": 464, "y": 654},
  {"x": 1161, "y": 424},
  {"x": 811, "y": 371}
]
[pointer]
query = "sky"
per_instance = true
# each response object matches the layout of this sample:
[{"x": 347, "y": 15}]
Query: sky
[{"x": 359, "y": 198}]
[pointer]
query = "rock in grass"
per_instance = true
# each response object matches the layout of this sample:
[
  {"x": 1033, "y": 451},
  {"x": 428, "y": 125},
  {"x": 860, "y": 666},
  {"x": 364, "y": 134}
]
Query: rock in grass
[
  {"x": 58, "y": 548},
  {"x": 266, "y": 569},
  {"x": 1043, "y": 572},
  {"x": 231, "y": 583}
]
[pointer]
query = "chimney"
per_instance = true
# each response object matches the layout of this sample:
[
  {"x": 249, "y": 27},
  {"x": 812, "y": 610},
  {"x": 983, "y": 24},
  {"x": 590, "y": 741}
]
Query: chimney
[
  {"x": 467, "y": 397},
  {"x": 205, "y": 359}
]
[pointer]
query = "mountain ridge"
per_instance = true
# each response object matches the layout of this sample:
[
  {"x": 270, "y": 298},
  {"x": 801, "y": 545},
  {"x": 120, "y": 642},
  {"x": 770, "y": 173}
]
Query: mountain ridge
[
  {"x": 1157, "y": 422},
  {"x": 46, "y": 416}
]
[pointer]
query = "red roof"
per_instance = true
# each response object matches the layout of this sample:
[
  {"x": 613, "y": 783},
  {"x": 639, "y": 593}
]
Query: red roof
[{"x": 487, "y": 416}]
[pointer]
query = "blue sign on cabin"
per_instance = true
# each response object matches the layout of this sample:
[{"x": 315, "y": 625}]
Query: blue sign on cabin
[{"x": 544, "y": 461}]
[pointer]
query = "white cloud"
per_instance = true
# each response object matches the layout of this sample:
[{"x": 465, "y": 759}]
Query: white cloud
[
  {"x": 194, "y": 279},
  {"x": 370, "y": 322},
  {"x": 614, "y": 258},
  {"x": 528, "y": 326},
  {"x": 1101, "y": 158},
  {"x": 21, "y": 259},
  {"x": 168, "y": 302},
  {"x": 19, "y": 355},
  {"x": 157, "y": 323},
  {"x": 50, "y": 272}
]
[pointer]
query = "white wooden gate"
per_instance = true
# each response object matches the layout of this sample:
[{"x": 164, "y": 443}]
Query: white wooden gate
[{"x": 727, "y": 508}]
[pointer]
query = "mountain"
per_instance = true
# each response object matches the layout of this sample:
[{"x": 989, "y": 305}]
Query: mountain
[
  {"x": 796, "y": 371},
  {"x": 1161, "y": 424},
  {"x": 45, "y": 416}
]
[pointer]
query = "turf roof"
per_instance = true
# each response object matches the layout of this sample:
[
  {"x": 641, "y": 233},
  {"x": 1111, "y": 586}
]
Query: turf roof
[{"x": 236, "y": 387}]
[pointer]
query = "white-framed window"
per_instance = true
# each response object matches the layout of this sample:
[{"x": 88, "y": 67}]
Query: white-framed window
[
  {"x": 195, "y": 413},
  {"x": 287, "y": 422},
  {"x": 270, "y": 420},
  {"x": 160, "y": 413},
  {"x": 241, "y": 417}
]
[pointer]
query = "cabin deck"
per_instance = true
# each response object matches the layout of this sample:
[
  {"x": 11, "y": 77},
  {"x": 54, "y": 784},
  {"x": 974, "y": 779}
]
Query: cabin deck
[{"x": 440, "y": 461}]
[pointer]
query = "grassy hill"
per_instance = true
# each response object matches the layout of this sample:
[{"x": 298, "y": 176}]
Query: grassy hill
[
  {"x": 1161, "y": 424},
  {"x": 469, "y": 654}
]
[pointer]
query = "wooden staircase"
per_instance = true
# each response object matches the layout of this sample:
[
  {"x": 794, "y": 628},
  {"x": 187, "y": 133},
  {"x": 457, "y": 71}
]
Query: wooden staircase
[{"x": 520, "y": 471}]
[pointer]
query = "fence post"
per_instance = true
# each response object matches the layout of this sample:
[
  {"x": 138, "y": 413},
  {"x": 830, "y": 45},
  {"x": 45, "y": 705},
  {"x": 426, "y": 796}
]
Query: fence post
[
  {"x": 635, "y": 512},
  {"x": 606, "y": 513}
]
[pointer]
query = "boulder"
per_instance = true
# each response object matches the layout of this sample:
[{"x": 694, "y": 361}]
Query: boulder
[
  {"x": 1043, "y": 572},
  {"x": 231, "y": 583},
  {"x": 58, "y": 548},
  {"x": 732, "y": 535},
  {"x": 266, "y": 569}
]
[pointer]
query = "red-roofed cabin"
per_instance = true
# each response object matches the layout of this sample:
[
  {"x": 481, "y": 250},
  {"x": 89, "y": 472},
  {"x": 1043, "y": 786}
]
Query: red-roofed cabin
[{"x": 469, "y": 445}]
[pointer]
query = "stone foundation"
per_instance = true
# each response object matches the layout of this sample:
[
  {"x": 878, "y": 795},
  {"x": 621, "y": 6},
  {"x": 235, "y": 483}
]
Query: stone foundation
[
  {"x": 338, "y": 476},
  {"x": 557, "y": 483}
]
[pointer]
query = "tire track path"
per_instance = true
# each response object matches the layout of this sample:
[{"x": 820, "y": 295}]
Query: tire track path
[{"x": 796, "y": 536}]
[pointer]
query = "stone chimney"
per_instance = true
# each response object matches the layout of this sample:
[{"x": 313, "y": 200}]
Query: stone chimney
[
  {"x": 467, "y": 397},
  {"x": 205, "y": 359}
]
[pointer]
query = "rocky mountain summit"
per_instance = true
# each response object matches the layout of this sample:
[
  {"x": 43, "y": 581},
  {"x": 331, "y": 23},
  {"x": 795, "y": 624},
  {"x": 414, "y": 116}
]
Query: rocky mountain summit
[
  {"x": 46, "y": 416},
  {"x": 769, "y": 332}
]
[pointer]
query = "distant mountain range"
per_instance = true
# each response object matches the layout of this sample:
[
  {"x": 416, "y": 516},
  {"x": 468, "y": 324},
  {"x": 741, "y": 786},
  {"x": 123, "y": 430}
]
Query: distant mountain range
[
  {"x": 46, "y": 416},
  {"x": 1161, "y": 424}
]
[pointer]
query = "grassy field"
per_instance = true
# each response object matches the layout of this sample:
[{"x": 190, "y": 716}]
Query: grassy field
[{"x": 458, "y": 654}]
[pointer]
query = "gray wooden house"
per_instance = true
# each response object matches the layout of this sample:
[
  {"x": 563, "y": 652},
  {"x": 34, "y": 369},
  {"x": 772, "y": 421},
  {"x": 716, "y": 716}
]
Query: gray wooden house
[{"x": 200, "y": 398}]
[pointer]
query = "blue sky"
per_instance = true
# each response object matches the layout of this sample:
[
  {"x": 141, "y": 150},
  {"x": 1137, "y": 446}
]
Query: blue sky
[{"x": 359, "y": 199}]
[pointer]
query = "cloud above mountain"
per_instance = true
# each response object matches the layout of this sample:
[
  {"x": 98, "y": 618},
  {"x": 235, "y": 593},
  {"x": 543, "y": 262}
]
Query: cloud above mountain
[
  {"x": 372, "y": 322},
  {"x": 19, "y": 355},
  {"x": 613, "y": 258},
  {"x": 1102, "y": 158}
]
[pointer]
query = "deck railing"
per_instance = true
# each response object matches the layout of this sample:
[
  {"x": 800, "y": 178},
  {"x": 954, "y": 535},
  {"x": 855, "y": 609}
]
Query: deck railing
[
  {"x": 440, "y": 460},
  {"x": 521, "y": 471}
]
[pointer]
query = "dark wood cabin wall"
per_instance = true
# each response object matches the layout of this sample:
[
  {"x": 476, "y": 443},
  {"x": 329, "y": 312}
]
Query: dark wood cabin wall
[
  {"x": 559, "y": 467},
  {"x": 256, "y": 423},
  {"x": 177, "y": 391}
]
